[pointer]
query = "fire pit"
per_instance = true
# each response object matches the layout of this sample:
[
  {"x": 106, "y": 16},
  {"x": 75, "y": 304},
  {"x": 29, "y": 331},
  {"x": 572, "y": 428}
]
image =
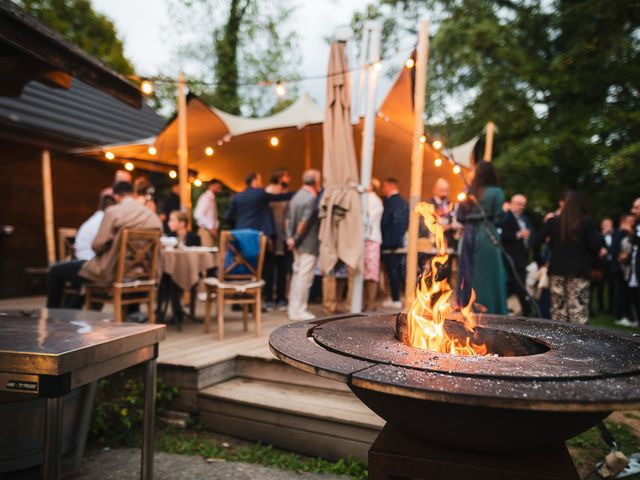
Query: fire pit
[{"x": 541, "y": 382}]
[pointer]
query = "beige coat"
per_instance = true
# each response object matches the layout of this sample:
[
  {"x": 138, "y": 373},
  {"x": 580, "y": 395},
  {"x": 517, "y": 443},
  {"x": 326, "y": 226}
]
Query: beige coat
[{"x": 127, "y": 214}]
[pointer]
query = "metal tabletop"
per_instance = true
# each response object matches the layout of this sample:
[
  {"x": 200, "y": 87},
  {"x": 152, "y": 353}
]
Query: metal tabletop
[{"x": 48, "y": 353}]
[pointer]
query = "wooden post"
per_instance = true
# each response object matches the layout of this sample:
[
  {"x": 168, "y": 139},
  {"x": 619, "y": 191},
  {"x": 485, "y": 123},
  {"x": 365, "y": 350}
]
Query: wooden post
[
  {"x": 183, "y": 148},
  {"x": 417, "y": 157},
  {"x": 47, "y": 194},
  {"x": 307, "y": 148},
  {"x": 488, "y": 143}
]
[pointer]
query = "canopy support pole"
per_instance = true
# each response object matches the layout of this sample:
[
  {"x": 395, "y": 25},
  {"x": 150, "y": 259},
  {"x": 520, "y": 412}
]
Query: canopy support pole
[
  {"x": 47, "y": 194},
  {"x": 374, "y": 29},
  {"x": 488, "y": 144},
  {"x": 417, "y": 159},
  {"x": 183, "y": 149}
]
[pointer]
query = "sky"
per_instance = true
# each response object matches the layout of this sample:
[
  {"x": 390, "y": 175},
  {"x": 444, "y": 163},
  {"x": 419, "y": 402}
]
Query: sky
[{"x": 142, "y": 24}]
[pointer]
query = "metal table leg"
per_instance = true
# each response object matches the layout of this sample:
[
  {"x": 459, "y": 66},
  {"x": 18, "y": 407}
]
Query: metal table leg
[
  {"x": 146, "y": 470},
  {"x": 52, "y": 439}
]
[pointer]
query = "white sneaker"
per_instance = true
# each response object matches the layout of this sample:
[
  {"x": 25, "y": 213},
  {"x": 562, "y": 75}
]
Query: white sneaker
[
  {"x": 625, "y": 322},
  {"x": 302, "y": 316},
  {"x": 395, "y": 305},
  {"x": 622, "y": 321}
]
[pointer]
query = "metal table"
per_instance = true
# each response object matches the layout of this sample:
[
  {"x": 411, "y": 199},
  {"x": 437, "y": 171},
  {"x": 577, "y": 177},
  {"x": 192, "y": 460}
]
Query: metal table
[{"x": 48, "y": 353}]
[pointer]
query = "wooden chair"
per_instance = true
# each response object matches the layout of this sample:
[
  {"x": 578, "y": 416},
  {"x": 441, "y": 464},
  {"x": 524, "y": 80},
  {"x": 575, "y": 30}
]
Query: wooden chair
[
  {"x": 233, "y": 288},
  {"x": 135, "y": 280},
  {"x": 66, "y": 243}
]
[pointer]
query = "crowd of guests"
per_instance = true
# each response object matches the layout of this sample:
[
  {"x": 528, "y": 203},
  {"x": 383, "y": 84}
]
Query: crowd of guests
[{"x": 497, "y": 254}]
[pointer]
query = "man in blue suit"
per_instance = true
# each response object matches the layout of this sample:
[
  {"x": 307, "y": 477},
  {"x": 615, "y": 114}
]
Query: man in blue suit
[
  {"x": 250, "y": 208},
  {"x": 394, "y": 224}
]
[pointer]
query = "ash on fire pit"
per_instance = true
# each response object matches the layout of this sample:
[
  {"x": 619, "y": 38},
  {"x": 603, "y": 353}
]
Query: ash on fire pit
[{"x": 541, "y": 383}]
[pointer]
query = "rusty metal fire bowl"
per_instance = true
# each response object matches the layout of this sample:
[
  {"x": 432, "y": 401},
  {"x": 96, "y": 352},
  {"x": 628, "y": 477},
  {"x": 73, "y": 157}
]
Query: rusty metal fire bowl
[{"x": 543, "y": 382}]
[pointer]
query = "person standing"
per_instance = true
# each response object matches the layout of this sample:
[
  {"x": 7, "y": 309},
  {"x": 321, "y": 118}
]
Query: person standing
[
  {"x": 372, "y": 242},
  {"x": 515, "y": 233},
  {"x": 302, "y": 239},
  {"x": 206, "y": 214},
  {"x": 574, "y": 244},
  {"x": 622, "y": 308},
  {"x": 445, "y": 211},
  {"x": 633, "y": 260},
  {"x": 393, "y": 226},
  {"x": 277, "y": 261},
  {"x": 170, "y": 204},
  {"x": 481, "y": 264}
]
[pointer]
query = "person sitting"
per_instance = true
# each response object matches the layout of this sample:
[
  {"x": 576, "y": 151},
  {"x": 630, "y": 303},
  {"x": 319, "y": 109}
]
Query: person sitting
[
  {"x": 179, "y": 226},
  {"x": 89, "y": 229},
  {"x": 101, "y": 268},
  {"x": 119, "y": 176},
  {"x": 170, "y": 203},
  {"x": 143, "y": 191}
]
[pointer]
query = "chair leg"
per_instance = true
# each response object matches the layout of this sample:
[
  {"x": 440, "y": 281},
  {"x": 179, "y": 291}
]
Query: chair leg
[
  {"x": 87, "y": 299},
  {"x": 258, "y": 313},
  {"x": 117, "y": 305},
  {"x": 220, "y": 314},
  {"x": 152, "y": 306},
  {"x": 207, "y": 310},
  {"x": 245, "y": 316}
]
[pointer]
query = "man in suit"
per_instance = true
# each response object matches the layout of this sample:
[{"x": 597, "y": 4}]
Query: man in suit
[
  {"x": 445, "y": 210},
  {"x": 250, "y": 208},
  {"x": 126, "y": 214},
  {"x": 622, "y": 310},
  {"x": 632, "y": 259},
  {"x": 516, "y": 234},
  {"x": 394, "y": 224}
]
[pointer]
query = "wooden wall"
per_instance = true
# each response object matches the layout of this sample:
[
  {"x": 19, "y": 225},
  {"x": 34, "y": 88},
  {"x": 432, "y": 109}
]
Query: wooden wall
[{"x": 76, "y": 185}]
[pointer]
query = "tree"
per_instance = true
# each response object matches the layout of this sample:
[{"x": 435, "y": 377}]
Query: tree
[
  {"x": 241, "y": 54},
  {"x": 561, "y": 79},
  {"x": 77, "y": 21}
]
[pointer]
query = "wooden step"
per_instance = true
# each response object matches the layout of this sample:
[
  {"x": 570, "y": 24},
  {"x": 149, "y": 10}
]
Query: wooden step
[{"x": 316, "y": 421}]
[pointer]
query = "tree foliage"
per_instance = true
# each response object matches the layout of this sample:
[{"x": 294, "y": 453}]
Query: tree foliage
[
  {"x": 561, "y": 79},
  {"x": 91, "y": 31},
  {"x": 241, "y": 48}
]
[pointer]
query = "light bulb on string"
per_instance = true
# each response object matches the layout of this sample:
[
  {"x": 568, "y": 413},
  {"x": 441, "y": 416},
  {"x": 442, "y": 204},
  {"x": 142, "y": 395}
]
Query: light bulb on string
[
  {"x": 208, "y": 151},
  {"x": 152, "y": 150},
  {"x": 129, "y": 166},
  {"x": 274, "y": 141},
  {"x": 456, "y": 169},
  {"x": 280, "y": 90},
  {"x": 197, "y": 182},
  {"x": 423, "y": 139},
  {"x": 109, "y": 155},
  {"x": 438, "y": 162},
  {"x": 377, "y": 66},
  {"x": 173, "y": 174},
  {"x": 410, "y": 63},
  {"x": 220, "y": 143},
  {"x": 437, "y": 144},
  {"x": 462, "y": 197},
  {"x": 147, "y": 87}
]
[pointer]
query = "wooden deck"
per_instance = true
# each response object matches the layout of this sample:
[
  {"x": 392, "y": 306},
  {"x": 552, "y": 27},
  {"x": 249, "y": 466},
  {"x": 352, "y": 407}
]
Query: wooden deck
[{"x": 237, "y": 387}]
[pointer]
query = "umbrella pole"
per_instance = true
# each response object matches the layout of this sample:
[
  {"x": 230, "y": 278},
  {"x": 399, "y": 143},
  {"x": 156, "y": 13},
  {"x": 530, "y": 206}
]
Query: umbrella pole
[
  {"x": 417, "y": 153},
  {"x": 183, "y": 149},
  {"x": 47, "y": 195},
  {"x": 375, "y": 34},
  {"x": 488, "y": 144}
]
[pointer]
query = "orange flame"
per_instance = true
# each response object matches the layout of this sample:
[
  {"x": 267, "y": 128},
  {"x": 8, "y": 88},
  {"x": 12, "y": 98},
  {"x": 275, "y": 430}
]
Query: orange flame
[{"x": 425, "y": 320}]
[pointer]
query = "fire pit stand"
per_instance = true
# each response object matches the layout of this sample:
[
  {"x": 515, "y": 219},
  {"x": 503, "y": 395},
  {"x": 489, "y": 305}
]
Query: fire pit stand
[{"x": 505, "y": 415}]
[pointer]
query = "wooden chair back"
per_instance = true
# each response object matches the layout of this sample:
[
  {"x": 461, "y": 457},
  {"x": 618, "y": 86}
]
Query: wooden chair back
[
  {"x": 226, "y": 273},
  {"x": 138, "y": 256},
  {"x": 66, "y": 241}
]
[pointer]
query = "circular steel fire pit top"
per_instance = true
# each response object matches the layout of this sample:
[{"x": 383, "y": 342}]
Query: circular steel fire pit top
[{"x": 573, "y": 368}]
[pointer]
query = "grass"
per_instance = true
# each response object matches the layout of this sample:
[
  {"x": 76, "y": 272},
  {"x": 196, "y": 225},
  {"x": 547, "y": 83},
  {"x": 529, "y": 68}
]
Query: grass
[{"x": 197, "y": 441}]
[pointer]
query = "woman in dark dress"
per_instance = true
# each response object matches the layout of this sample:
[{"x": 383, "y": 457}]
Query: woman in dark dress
[
  {"x": 481, "y": 266},
  {"x": 574, "y": 243}
]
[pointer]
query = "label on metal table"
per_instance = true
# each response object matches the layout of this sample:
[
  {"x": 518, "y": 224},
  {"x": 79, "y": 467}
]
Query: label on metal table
[{"x": 11, "y": 382}]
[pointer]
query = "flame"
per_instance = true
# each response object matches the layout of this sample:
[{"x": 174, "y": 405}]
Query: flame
[{"x": 425, "y": 320}]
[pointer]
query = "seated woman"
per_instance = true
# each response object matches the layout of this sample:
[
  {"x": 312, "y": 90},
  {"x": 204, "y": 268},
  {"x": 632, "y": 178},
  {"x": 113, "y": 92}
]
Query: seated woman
[{"x": 179, "y": 226}]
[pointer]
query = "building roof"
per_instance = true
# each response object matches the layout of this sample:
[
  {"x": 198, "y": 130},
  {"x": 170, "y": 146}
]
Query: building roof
[
  {"x": 32, "y": 51},
  {"x": 82, "y": 115}
]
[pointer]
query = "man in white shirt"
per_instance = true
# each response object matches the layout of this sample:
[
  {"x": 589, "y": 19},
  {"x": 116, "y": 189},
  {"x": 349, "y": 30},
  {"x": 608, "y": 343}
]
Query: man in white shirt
[
  {"x": 89, "y": 229},
  {"x": 206, "y": 214}
]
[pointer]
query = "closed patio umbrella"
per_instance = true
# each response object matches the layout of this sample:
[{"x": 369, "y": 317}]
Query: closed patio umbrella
[{"x": 341, "y": 224}]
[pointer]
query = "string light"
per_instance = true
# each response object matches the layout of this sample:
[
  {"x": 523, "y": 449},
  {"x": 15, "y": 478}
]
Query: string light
[
  {"x": 227, "y": 137},
  {"x": 423, "y": 139},
  {"x": 410, "y": 63},
  {"x": 129, "y": 166},
  {"x": 173, "y": 174},
  {"x": 197, "y": 182},
  {"x": 280, "y": 90},
  {"x": 274, "y": 141},
  {"x": 208, "y": 151},
  {"x": 437, "y": 144},
  {"x": 456, "y": 169},
  {"x": 152, "y": 150},
  {"x": 462, "y": 196},
  {"x": 109, "y": 155},
  {"x": 377, "y": 67},
  {"x": 438, "y": 162},
  {"x": 146, "y": 87},
  {"x": 220, "y": 143}
]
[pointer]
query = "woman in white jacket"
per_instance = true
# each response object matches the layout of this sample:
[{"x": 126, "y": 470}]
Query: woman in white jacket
[{"x": 373, "y": 240}]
